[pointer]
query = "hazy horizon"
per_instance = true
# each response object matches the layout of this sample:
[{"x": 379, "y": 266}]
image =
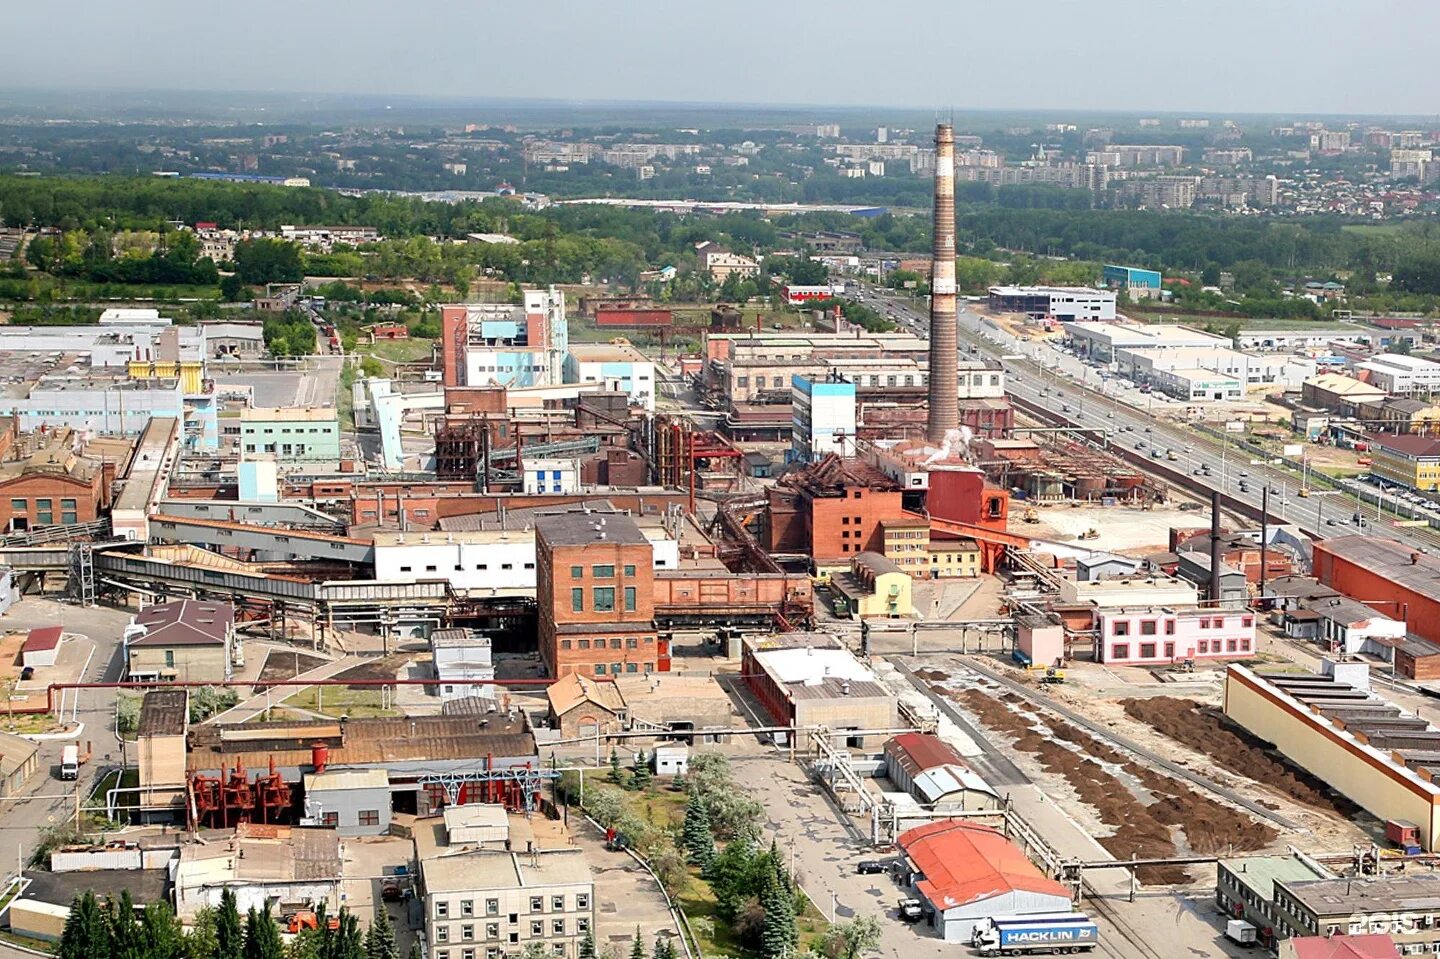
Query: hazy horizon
[{"x": 1102, "y": 56}]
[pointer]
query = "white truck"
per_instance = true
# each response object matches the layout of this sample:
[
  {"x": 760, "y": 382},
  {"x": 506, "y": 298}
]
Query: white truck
[
  {"x": 1027, "y": 935},
  {"x": 1241, "y": 932},
  {"x": 70, "y": 763}
]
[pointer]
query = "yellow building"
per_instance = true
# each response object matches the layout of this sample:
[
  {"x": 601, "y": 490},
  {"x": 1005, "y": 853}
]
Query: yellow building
[
  {"x": 905, "y": 542},
  {"x": 190, "y": 373},
  {"x": 952, "y": 558},
  {"x": 1412, "y": 461},
  {"x": 1402, "y": 414},
  {"x": 875, "y": 586},
  {"x": 1361, "y": 757}
]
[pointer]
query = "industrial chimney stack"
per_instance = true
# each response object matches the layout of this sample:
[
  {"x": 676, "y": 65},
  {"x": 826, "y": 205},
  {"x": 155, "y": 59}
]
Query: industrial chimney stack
[{"x": 944, "y": 347}]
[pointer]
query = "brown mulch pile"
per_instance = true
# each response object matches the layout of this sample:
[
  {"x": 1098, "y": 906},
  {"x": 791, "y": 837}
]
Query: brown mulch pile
[{"x": 1146, "y": 831}]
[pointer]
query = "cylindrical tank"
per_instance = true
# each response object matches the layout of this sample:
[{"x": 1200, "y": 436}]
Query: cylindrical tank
[{"x": 319, "y": 756}]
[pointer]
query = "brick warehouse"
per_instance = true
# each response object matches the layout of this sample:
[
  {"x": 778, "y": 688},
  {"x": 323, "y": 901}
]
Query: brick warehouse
[
  {"x": 595, "y": 590},
  {"x": 1386, "y": 576},
  {"x": 46, "y": 483},
  {"x": 833, "y": 510}
]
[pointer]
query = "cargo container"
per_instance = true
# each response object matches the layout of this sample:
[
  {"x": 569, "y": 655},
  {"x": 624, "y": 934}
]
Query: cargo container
[
  {"x": 1026, "y": 935},
  {"x": 1240, "y": 931}
]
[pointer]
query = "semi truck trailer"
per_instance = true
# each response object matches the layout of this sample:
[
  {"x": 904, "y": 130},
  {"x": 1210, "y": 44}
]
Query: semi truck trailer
[{"x": 1026, "y": 935}]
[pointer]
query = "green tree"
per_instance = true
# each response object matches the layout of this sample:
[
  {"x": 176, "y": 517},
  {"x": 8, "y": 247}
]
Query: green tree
[
  {"x": 640, "y": 771},
  {"x": 162, "y": 933},
  {"x": 614, "y": 776},
  {"x": 850, "y": 940},
  {"x": 229, "y": 931},
  {"x": 125, "y": 939},
  {"x": 603, "y": 805},
  {"x": 637, "y": 945},
  {"x": 695, "y": 834},
  {"x": 201, "y": 941},
  {"x": 233, "y": 289},
  {"x": 370, "y": 366},
  {"x": 127, "y": 714},
  {"x": 262, "y": 936},
  {"x": 778, "y": 934},
  {"x": 664, "y": 948},
  {"x": 380, "y": 937},
  {"x": 415, "y": 952},
  {"x": 262, "y": 261},
  {"x": 587, "y": 944},
  {"x": 87, "y": 932},
  {"x": 536, "y": 950}
]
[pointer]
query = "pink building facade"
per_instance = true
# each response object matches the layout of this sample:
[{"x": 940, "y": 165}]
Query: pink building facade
[{"x": 1156, "y": 636}]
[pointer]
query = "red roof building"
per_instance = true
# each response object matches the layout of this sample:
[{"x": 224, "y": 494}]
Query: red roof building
[
  {"x": 1375, "y": 946},
  {"x": 967, "y": 872},
  {"x": 41, "y": 646}
]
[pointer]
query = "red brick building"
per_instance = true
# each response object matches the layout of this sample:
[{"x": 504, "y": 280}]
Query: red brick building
[
  {"x": 53, "y": 486},
  {"x": 595, "y": 589},
  {"x": 833, "y": 510},
  {"x": 1389, "y": 577}
]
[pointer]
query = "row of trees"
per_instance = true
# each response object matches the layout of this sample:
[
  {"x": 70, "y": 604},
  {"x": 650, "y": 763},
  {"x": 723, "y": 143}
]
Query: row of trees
[
  {"x": 172, "y": 257},
  {"x": 114, "y": 930}
]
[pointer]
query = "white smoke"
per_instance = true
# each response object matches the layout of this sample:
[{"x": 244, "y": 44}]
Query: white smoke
[{"x": 955, "y": 440}]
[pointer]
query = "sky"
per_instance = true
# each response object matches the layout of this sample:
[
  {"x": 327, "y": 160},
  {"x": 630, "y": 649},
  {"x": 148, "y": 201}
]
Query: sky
[{"x": 1240, "y": 56}]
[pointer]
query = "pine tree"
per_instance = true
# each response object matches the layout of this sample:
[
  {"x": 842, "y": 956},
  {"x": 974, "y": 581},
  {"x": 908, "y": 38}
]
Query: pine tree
[
  {"x": 380, "y": 939},
  {"x": 87, "y": 933},
  {"x": 162, "y": 933},
  {"x": 587, "y": 945},
  {"x": 125, "y": 940},
  {"x": 641, "y": 769},
  {"x": 695, "y": 834},
  {"x": 200, "y": 942},
  {"x": 229, "y": 934},
  {"x": 614, "y": 766},
  {"x": 664, "y": 948},
  {"x": 778, "y": 935},
  {"x": 416, "y": 954},
  {"x": 637, "y": 946},
  {"x": 262, "y": 936}
]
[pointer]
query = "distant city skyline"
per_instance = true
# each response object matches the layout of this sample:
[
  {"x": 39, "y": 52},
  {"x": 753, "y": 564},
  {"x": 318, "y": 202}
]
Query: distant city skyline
[{"x": 1271, "y": 56}]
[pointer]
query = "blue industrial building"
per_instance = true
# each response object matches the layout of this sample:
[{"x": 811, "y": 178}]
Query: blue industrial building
[{"x": 1132, "y": 278}]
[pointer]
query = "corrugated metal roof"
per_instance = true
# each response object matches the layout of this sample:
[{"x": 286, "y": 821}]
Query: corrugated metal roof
[
  {"x": 934, "y": 785},
  {"x": 965, "y": 862},
  {"x": 917, "y": 752},
  {"x": 45, "y": 637}
]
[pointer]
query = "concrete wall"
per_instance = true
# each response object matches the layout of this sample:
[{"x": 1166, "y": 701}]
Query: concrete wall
[
  {"x": 1347, "y": 764},
  {"x": 346, "y": 805},
  {"x": 191, "y": 663}
]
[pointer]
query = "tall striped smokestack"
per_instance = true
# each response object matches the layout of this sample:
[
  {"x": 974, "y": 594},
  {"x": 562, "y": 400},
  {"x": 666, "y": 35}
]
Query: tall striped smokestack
[{"x": 944, "y": 348}]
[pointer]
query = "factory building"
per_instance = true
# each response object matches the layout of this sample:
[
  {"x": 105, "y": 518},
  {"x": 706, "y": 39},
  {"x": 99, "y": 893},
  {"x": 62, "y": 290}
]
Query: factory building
[
  {"x": 290, "y": 435},
  {"x": 1390, "y": 577},
  {"x": 1103, "y": 341},
  {"x": 822, "y": 417},
  {"x": 1245, "y": 888},
  {"x": 1138, "y": 283},
  {"x": 809, "y": 680},
  {"x": 966, "y": 872},
  {"x": 618, "y": 366},
  {"x": 935, "y": 775},
  {"x": 513, "y": 346},
  {"x": 1332, "y": 725},
  {"x": 1065, "y": 303}
]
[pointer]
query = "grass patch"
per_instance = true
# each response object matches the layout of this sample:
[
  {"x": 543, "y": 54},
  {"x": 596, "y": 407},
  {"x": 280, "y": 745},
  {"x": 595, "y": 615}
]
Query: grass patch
[
  {"x": 29, "y": 723},
  {"x": 412, "y": 350},
  {"x": 363, "y": 703},
  {"x": 10, "y": 894},
  {"x": 39, "y": 945},
  {"x": 125, "y": 802}
]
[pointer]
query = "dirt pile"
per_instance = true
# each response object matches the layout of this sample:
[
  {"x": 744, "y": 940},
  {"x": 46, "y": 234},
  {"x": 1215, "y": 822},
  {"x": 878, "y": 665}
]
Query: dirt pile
[
  {"x": 1143, "y": 830},
  {"x": 1206, "y": 730}
]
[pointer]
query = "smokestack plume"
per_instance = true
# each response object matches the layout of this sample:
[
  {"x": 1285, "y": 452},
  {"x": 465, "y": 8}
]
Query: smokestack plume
[{"x": 944, "y": 346}]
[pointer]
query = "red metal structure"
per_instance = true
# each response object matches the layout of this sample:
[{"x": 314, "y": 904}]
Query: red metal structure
[{"x": 231, "y": 798}]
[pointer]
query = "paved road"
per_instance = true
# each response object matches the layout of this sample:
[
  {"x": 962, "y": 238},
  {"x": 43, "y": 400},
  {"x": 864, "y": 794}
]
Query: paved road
[{"x": 1049, "y": 378}]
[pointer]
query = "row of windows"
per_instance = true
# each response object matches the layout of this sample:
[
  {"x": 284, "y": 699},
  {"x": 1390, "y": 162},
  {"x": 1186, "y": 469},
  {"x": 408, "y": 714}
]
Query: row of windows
[
  {"x": 631, "y": 642},
  {"x": 558, "y": 927},
  {"x": 599, "y": 571},
  {"x": 1147, "y": 650},
  {"x": 432, "y": 568},
  {"x": 494, "y": 952},
  {"x": 466, "y": 907},
  {"x": 45, "y": 510},
  {"x": 1148, "y": 627},
  {"x": 629, "y": 668},
  {"x": 287, "y": 429},
  {"x": 602, "y": 599}
]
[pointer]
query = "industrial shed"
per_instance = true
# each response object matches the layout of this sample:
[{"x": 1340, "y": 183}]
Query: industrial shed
[
  {"x": 41, "y": 646},
  {"x": 965, "y": 872},
  {"x": 932, "y": 772},
  {"x": 354, "y": 801}
]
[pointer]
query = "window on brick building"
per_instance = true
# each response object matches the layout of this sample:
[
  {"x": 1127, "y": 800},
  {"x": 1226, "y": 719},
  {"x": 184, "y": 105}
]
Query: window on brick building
[
  {"x": 603, "y": 599},
  {"x": 1204, "y": 645},
  {"x": 577, "y": 572},
  {"x": 629, "y": 599},
  {"x": 629, "y": 570},
  {"x": 577, "y": 600},
  {"x": 1169, "y": 627},
  {"x": 1147, "y": 650},
  {"x": 599, "y": 669},
  {"x": 19, "y": 505},
  {"x": 1120, "y": 651},
  {"x": 1147, "y": 627},
  {"x": 1121, "y": 628},
  {"x": 602, "y": 572},
  {"x": 564, "y": 644}
]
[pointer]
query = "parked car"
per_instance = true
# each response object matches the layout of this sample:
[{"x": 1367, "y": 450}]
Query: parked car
[
  {"x": 27, "y": 673},
  {"x": 870, "y": 867}
]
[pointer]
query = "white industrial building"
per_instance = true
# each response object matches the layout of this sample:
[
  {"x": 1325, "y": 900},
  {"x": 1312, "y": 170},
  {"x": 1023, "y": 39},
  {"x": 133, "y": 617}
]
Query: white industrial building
[
  {"x": 1102, "y": 341},
  {"x": 490, "y": 561},
  {"x": 1401, "y": 375},
  {"x": 1057, "y": 302},
  {"x": 1142, "y": 365},
  {"x": 1193, "y": 385},
  {"x": 463, "y": 664},
  {"x": 545, "y": 475},
  {"x": 1309, "y": 338},
  {"x": 822, "y": 417},
  {"x": 617, "y": 367}
]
